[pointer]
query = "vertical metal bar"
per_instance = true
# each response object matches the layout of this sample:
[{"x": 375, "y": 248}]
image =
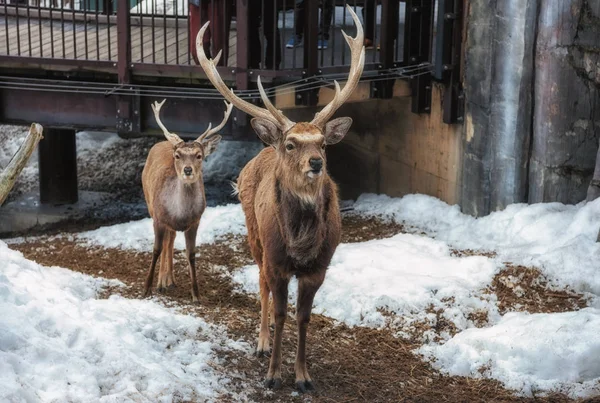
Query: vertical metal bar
[
  {"x": 283, "y": 38},
  {"x": 275, "y": 17},
  {"x": 421, "y": 13},
  {"x": 18, "y": 31},
  {"x": 6, "y": 27},
  {"x": 96, "y": 14},
  {"x": 321, "y": 25},
  {"x": 375, "y": 31},
  {"x": 28, "y": 27},
  {"x": 108, "y": 9},
  {"x": 332, "y": 34},
  {"x": 165, "y": 31},
  {"x": 263, "y": 50},
  {"x": 189, "y": 33},
  {"x": 141, "y": 33},
  {"x": 153, "y": 32},
  {"x": 74, "y": 29},
  {"x": 40, "y": 30},
  {"x": 294, "y": 35},
  {"x": 57, "y": 162},
  {"x": 62, "y": 30},
  {"x": 177, "y": 32},
  {"x": 344, "y": 28},
  {"x": 85, "y": 28},
  {"x": 51, "y": 34},
  {"x": 311, "y": 56}
]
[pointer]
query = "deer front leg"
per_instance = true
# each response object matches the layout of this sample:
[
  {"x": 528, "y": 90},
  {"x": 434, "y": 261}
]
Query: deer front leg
[
  {"x": 263, "y": 337},
  {"x": 307, "y": 288},
  {"x": 279, "y": 288},
  {"x": 190, "y": 247},
  {"x": 165, "y": 274},
  {"x": 159, "y": 235}
]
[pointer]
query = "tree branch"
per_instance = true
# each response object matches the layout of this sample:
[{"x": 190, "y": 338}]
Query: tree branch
[{"x": 9, "y": 175}]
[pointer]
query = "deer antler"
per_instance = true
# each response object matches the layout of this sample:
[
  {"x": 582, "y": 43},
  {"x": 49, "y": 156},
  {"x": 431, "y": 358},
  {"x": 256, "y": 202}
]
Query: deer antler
[
  {"x": 172, "y": 137},
  {"x": 357, "y": 65},
  {"x": 273, "y": 115},
  {"x": 209, "y": 132}
]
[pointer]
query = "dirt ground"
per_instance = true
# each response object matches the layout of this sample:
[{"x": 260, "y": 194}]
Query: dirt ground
[{"x": 347, "y": 364}]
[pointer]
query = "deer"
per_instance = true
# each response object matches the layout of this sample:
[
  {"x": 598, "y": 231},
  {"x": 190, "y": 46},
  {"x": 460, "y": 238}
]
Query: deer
[
  {"x": 174, "y": 192},
  {"x": 290, "y": 205}
]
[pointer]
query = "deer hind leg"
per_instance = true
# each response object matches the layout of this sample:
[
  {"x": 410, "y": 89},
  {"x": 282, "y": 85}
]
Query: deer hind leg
[
  {"x": 190, "y": 247},
  {"x": 159, "y": 235},
  {"x": 307, "y": 288},
  {"x": 166, "y": 261},
  {"x": 263, "y": 335},
  {"x": 279, "y": 288}
]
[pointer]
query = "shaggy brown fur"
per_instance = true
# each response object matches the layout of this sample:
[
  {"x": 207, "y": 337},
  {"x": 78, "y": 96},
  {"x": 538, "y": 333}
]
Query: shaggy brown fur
[{"x": 294, "y": 227}]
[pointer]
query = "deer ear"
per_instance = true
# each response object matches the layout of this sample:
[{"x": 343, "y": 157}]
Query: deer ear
[
  {"x": 267, "y": 131},
  {"x": 211, "y": 145},
  {"x": 336, "y": 129}
]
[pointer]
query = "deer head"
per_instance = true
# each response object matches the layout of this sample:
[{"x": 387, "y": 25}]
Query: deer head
[
  {"x": 300, "y": 146},
  {"x": 188, "y": 156}
]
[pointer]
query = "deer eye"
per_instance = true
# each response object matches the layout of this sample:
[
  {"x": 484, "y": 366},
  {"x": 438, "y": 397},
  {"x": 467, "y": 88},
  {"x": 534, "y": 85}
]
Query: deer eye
[
  {"x": 198, "y": 156},
  {"x": 289, "y": 146},
  {"x": 323, "y": 146},
  {"x": 177, "y": 156}
]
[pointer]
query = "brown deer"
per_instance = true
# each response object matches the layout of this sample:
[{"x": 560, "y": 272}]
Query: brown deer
[
  {"x": 174, "y": 192},
  {"x": 291, "y": 205}
]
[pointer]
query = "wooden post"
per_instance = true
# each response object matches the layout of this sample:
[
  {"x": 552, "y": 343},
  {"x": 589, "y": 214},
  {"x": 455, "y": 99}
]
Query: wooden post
[{"x": 58, "y": 167}]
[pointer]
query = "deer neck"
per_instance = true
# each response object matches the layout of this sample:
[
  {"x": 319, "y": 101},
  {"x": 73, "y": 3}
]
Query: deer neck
[
  {"x": 183, "y": 199},
  {"x": 308, "y": 192}
]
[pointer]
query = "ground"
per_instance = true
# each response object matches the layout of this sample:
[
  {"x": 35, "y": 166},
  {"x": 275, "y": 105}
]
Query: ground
[{"x": 441, "y": 290}]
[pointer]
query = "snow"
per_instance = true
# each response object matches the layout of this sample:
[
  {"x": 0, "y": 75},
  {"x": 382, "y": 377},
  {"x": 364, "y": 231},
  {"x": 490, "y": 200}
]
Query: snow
[
  {"x": 556, "y": 238},
  {"x": 59, "y": 343},
  {"x": 216, "y": 222},
  {"x": 407, "y": 274},
  {"x": 529, "y": 352}
]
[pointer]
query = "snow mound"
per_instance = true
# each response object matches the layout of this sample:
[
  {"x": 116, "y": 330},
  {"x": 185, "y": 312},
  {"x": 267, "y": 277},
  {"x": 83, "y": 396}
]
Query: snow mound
[
  {"x": 59, "y": 343},
  {"x": 529, "y": 352},
  {"x": 216, "y": 222},
  {"x": 405, "y": 274},
  {"x": 559, "y": 239}
]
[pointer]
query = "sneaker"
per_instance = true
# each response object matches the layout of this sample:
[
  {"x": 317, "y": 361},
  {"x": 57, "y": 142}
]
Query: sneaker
[
  {"x": 294, "y": 41},
  {"x": 322, "y": 44}
]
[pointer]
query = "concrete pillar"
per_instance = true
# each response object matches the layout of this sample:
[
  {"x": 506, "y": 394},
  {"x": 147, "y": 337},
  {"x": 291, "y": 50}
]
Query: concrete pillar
[{"x": 58, "y": 167}]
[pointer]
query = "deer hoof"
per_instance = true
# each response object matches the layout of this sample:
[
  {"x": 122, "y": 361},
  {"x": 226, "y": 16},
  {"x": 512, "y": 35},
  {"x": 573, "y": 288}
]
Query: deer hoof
[
  {"x": 171, "y": 287},
  {"x": 147, "y": 293},
  {"x": 263, "y": 353},
  {"x": 195, "y": 300},
  {"x": 305, "y": 386},
  {"x": 161, "y": 290},
  {"x": 273, "y": 383}
]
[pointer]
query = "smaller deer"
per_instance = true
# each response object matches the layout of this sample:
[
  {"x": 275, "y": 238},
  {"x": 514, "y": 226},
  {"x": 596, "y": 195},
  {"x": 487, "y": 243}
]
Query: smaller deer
[{"x": 174, "y": 192}]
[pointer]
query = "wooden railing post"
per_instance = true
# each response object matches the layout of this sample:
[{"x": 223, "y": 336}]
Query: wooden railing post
[
  {"x": 417, "y": 47},
  {"x": 128, "y": 116},
  {"x": 389, "y": 34}
]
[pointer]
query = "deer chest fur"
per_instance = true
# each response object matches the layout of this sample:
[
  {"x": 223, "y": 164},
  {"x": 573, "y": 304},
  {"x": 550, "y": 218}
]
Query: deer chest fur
[
  {"x": 182, "y": 204},
  {"x": 304, "y": 230}
]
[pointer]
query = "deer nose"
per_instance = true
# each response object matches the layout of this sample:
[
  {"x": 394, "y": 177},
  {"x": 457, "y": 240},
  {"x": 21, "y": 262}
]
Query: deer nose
[
  {"x": 316, "y": 163},
  {"x": 187, "y": 171}
]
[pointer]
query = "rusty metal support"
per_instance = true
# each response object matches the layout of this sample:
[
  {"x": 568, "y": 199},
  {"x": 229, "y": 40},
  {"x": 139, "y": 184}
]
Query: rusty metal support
[
  {"x": 58, "y": 167},
  {"x": 447, "y": 58},
  {"x": 389, "y": 35},
  {"x": 417, "y": 47},
  {"x": 311, "y": 53}
]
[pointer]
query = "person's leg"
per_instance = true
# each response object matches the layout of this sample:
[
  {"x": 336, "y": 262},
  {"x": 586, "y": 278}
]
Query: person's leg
[
  {"x": 368, "y": 14},
  {"x": 272, "y": 36},
  {"x": 254, "y": 46}
]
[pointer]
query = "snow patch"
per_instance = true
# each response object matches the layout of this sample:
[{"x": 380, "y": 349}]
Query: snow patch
[
  {"x": 529, "y": 352},
  {"x": 59, "y": 343},
  {"x": 408, "y": 275},
  {"x": 558, "y": 239},
  {"x": 216, "y": 222}
]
